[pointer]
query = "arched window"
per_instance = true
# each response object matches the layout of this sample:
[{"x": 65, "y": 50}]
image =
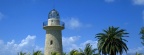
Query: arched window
[{"x": 51, "y": 42}]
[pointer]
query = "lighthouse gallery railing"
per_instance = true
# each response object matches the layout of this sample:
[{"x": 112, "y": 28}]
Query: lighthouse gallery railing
[{"x": 46, "y": 23}]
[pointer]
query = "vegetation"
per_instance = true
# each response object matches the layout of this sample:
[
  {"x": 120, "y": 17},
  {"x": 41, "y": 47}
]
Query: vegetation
[
  {"x": 37, "y": 53},
  {"x": 111, "y": 41},
  {"x": 142, "y": 35},
  {"x": 21, "y": 53},
  {"x": 87, "y": 51},
  {"x": 34, "y": 53},
  {"x": 55, "y": 53},
  {"x": 138, "y": 53}
]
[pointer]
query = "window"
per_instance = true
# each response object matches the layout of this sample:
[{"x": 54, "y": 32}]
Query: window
[{"x": 51, "y": 42}]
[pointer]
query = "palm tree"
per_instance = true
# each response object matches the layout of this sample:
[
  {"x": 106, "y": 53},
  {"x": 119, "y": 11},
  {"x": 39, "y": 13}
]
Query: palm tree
[
  {"x": 64, "y": 53},
  {"x": 21, "y": 53},
  {"x": 111, "y": 41},
  {"x": 88, "y": 50},
  {"x": 72, "y": 52},
  {"x": 142, "y": 33},
  {"x": 75, "y": 52},
  {"x": 37, "y": 53},
  {"x": 138, "y": 53}
]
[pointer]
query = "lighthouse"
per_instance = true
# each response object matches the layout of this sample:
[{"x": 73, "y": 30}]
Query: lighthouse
[{"x": 53, "y": 27}]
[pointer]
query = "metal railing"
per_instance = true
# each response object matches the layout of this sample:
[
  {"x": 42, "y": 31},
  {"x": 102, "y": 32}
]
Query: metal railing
[{"x": 46, "y": 24}]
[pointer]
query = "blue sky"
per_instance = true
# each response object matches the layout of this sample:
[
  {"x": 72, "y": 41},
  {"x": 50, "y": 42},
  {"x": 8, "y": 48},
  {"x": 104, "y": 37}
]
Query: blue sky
[{"x": 21, "y": 22}]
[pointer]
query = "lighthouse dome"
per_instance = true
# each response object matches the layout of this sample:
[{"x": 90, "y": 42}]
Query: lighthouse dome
[{"x": 53, "y": 14}]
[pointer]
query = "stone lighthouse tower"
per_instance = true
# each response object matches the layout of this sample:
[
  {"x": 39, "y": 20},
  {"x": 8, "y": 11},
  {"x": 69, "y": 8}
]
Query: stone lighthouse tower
[{"x": 53, "y": 41}]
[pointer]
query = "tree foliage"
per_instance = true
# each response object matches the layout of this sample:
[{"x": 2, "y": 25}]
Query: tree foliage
[
  {"x": 34, "y": 53},
  {"x": 142, "y": 35},
  {"x": 37, "y": 53},
  {"x": 88, "y": 50},
  {"x": 111, "y": 41},
  {"x": 138, "y": 53}
]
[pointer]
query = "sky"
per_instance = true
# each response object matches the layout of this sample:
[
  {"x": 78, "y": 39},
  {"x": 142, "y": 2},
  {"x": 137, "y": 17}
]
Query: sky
[{"x": 21, "y": 22}]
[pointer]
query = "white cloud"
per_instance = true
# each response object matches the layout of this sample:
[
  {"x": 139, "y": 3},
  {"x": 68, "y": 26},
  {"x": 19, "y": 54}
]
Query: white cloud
[
  {"x": 1, "y": 16},
  {"x": 138, "y": 2},
  {"x": 70, "y": 43},
  {"x": 69, "y": 40},
  {"x": 74, "y": 23},
  {"x": 109, "y": 1},
  {"x": 26, "y": 45},
  {"x": 138, "y": 49}
]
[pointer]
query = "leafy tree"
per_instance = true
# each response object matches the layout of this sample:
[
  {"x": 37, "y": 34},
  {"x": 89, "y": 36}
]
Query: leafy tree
[
  {"x": 55, "y": 53},
  {"x": 37, "y": 53},
  {"x": 34, "y": 53},
  {"x": 72, "y": 52},
  {"x": 138, "y": 53},
  {"x": 23, "y": 53},
  {"x": 111, "y": 41},
  {"x": 88, "y": 50},
  {"x": 75, "y": 52},
  {"x": 142, "y": 35},
  {"x": 64, "y": 53}
]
